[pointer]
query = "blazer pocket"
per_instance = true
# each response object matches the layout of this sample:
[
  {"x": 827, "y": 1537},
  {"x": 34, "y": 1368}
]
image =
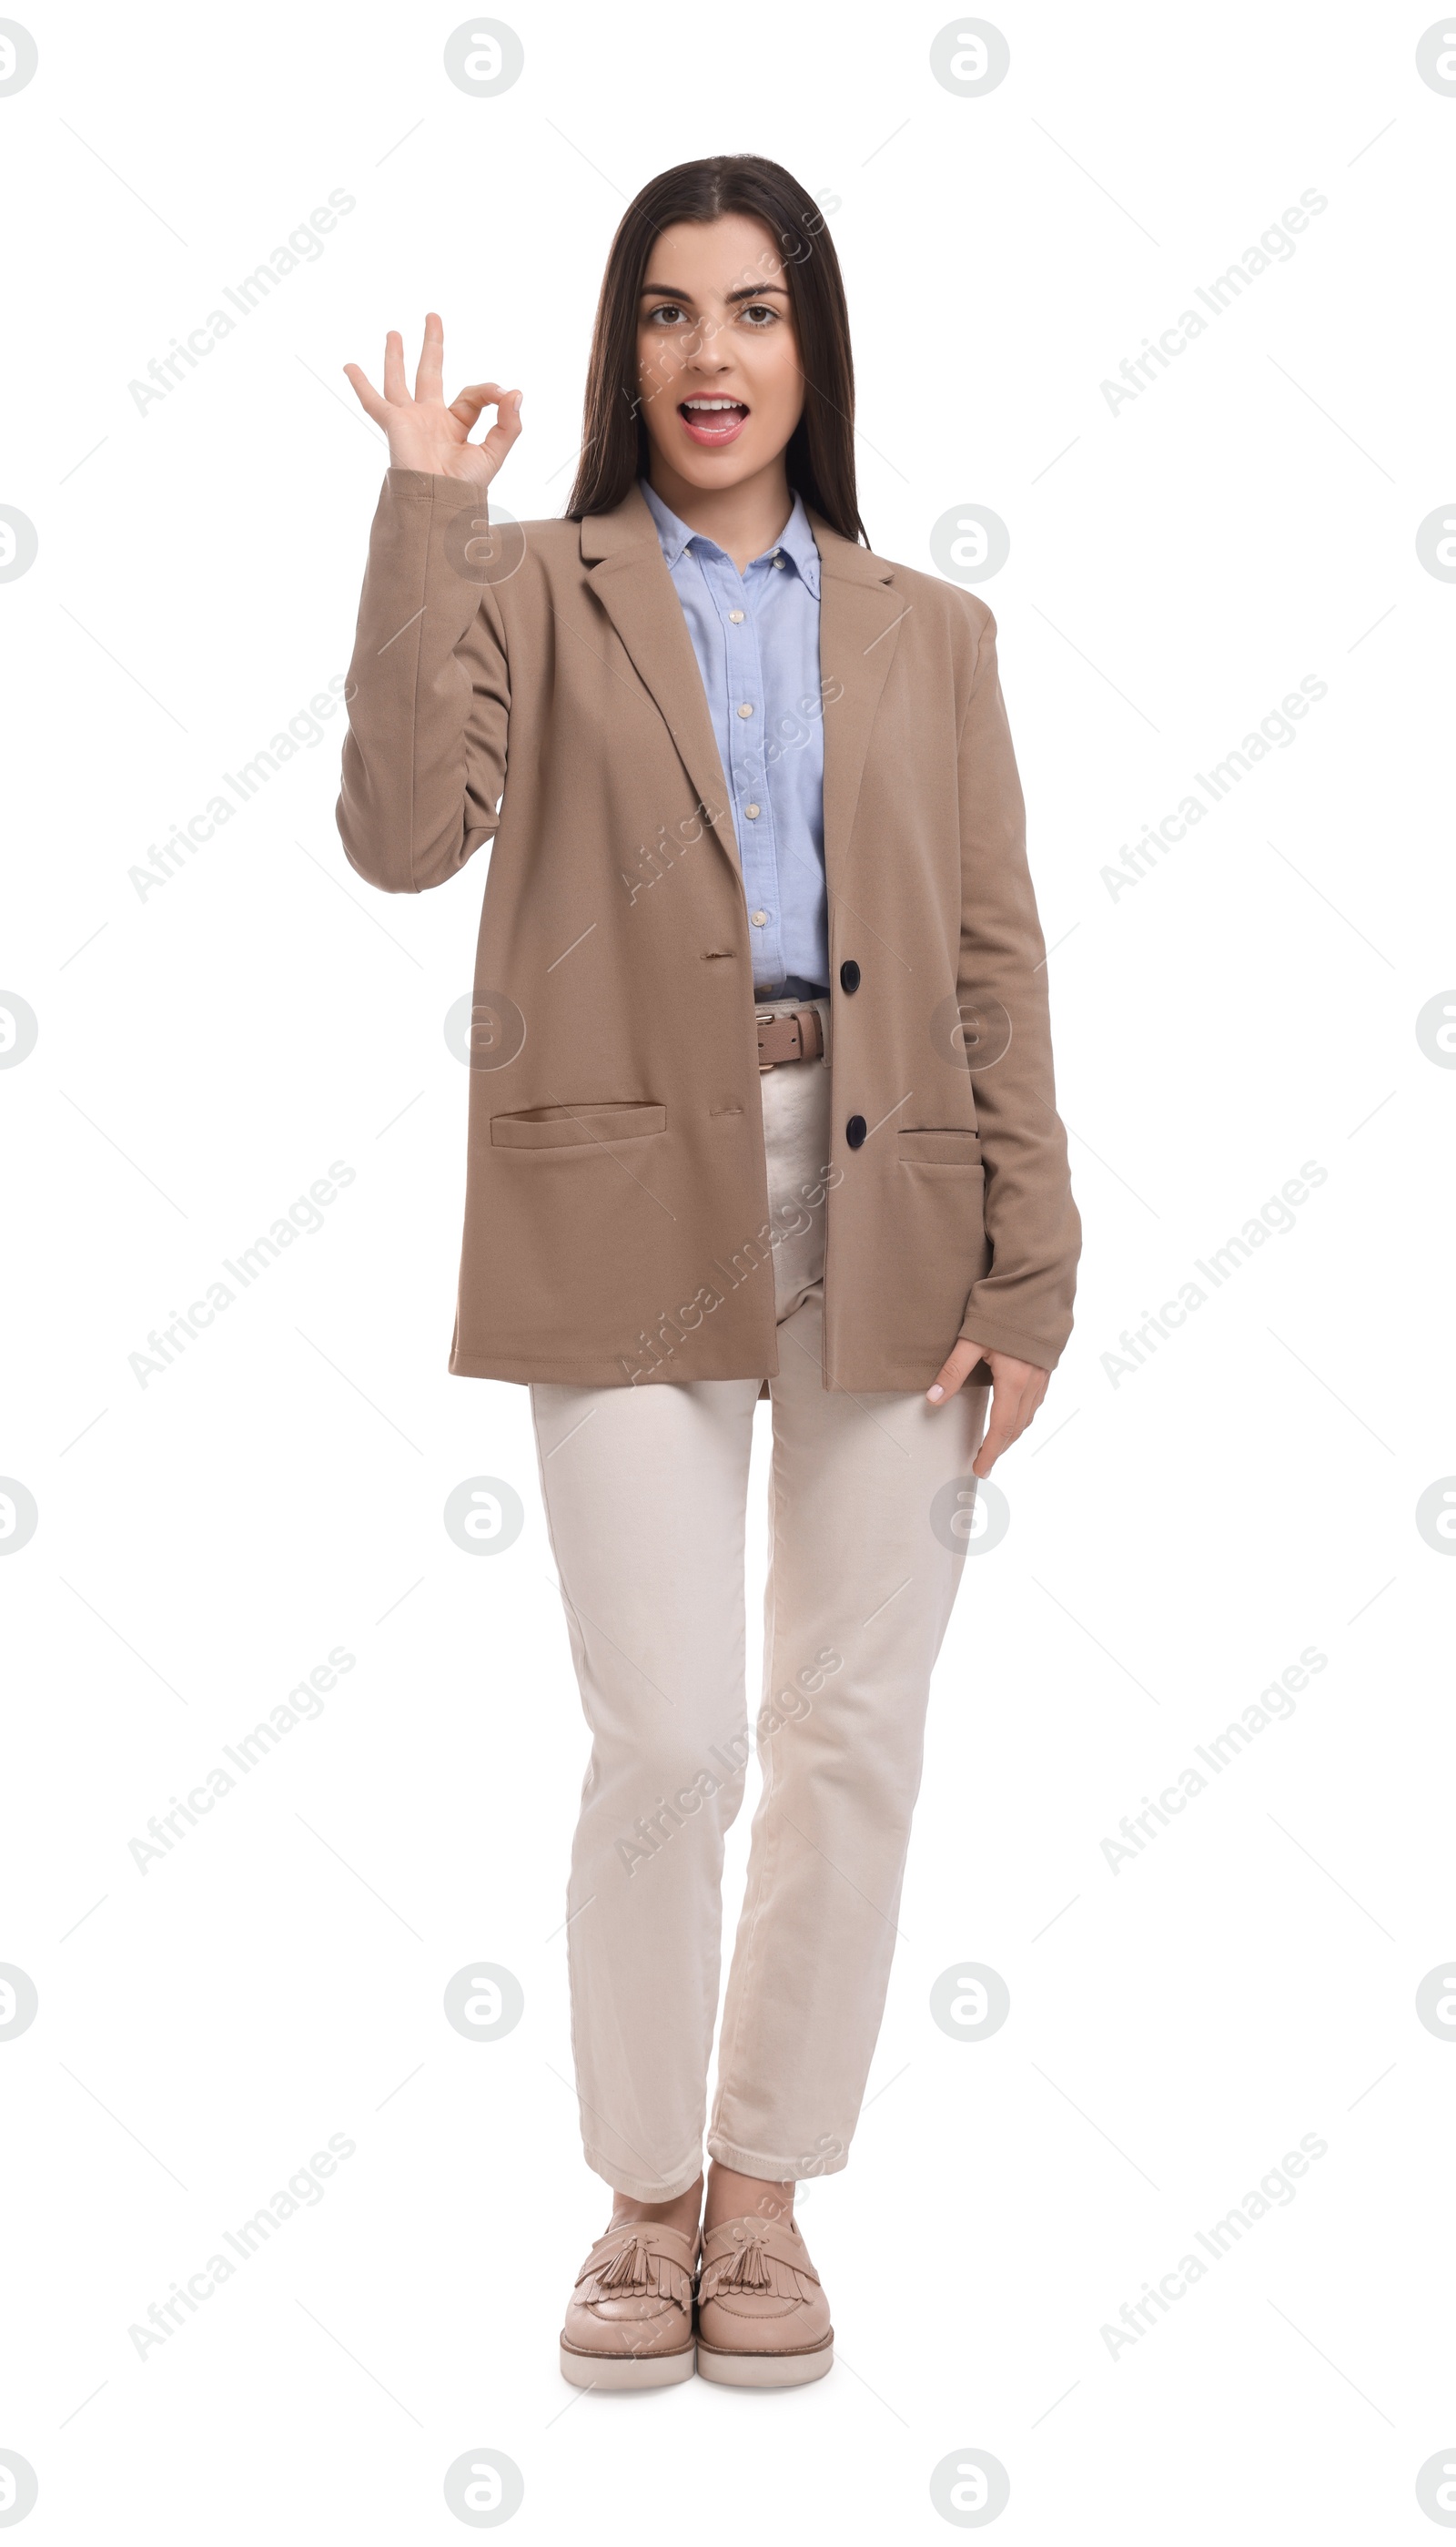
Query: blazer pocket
[
  {"x": 576, "y": 1127},
  {"x": 939, "y": 1149}
]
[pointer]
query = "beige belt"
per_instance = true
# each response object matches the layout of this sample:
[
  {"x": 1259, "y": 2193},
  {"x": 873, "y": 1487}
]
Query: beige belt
[{"x": 799, "y": 1037}]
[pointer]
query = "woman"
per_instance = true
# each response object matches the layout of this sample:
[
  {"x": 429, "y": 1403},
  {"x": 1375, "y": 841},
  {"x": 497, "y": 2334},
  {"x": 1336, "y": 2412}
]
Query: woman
[{"x": 762, "y": 1104}]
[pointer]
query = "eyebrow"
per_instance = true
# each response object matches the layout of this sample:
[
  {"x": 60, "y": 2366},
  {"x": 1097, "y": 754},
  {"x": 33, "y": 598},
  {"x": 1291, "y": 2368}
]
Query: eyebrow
[{"x": 746, "y": 292}]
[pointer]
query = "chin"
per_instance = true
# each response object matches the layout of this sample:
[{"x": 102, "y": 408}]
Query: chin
[
  {"x": 714, "y": 470},
  {"x": 719, "y": 469}
]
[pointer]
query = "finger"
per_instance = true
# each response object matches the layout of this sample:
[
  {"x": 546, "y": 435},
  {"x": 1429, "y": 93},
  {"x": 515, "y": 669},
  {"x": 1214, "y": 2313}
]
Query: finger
[
  {"x": 507, "y": 429},
  {"x": 394, "y": 389},
  {"x": 470, "y": 403},
  {"x": 429, "y": 379},
  {"x": 366, "y": 392},
  {"x": 1011, "y": 1410},
  {"x": 956, "y": 1369},
  {"x": 1000, "y": 1433}
]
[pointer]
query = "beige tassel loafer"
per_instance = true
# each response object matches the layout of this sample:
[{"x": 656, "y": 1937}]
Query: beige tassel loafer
[
  {"x": 763, "y": 2320},
  {"x": 630, "y": 2318}
]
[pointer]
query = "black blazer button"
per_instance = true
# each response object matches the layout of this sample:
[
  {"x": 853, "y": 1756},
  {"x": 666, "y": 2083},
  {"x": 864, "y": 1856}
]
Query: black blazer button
[
  {"x": 855, "y": 1130},
  {"x": 849, "y": 976}
]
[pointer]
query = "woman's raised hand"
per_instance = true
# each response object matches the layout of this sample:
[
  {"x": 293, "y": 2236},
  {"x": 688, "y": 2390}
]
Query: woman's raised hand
[{"x": 424, "y": 433}]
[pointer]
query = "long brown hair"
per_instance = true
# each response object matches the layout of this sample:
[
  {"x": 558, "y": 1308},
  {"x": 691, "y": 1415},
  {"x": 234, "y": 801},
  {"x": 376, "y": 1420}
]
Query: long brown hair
[{"x": 614, "y": 438}]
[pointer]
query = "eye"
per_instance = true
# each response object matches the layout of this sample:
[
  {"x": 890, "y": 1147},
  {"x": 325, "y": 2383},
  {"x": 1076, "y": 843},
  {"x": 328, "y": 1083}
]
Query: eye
[
  {"x": 668, "y": 314},
  {"x": 759, "y": 313}
]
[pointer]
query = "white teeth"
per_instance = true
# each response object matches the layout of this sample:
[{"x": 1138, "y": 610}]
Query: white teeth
[{"x": 712, "y": 406}]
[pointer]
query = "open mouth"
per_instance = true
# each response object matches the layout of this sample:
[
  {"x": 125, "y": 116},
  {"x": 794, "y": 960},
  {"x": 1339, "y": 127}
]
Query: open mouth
[{"x": 714, "y": 420}]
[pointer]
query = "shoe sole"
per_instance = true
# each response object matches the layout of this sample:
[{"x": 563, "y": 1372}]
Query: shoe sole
[
  {"x": 764, "y": 2369},
  {"x": 619, "y": 2370}
]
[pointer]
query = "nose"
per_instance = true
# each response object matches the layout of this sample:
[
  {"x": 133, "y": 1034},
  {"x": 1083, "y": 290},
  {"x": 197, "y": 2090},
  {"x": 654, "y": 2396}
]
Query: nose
[{"x": 704, "y": 353}]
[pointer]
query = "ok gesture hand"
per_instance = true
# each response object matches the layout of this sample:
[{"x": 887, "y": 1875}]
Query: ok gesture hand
[{"x": 424, "y": 433}]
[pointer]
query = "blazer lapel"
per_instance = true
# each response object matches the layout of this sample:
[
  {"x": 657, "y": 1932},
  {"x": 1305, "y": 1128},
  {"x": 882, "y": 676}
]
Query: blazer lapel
[
  {"x": 859, "y": 630},
  {"x": 629, "y": 576}
]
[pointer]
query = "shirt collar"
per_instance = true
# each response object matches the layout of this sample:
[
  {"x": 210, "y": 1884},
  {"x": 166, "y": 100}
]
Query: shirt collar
[{"x": 796, "y": 541}]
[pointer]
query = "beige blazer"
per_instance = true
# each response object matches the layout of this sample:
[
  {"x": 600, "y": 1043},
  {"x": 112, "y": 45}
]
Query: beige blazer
[{"x": 534, "y": 685}]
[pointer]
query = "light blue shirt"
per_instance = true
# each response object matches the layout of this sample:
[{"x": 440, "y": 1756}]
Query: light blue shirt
[{"x": 756, "y": 638}]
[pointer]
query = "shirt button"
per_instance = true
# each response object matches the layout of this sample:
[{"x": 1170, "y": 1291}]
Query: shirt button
[
  {"x": 856, "y": 1131},
  {"x": 745, "y": 711},
  {"x": 760, "y": 920},
  {"x": 735, "y": 616},
  {"x": 752, "y": 812},
  {"x": 779, "y": 562}
]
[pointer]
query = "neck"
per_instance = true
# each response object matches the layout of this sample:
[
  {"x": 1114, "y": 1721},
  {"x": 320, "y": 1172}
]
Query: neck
[{"x": 743, "y": 520}]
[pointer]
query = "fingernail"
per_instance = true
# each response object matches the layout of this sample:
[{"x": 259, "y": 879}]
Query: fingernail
[{"x": 935, "y": 1394}]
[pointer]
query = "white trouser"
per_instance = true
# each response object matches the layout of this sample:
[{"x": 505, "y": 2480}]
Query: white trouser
[{"x": 645, "y": 1492}]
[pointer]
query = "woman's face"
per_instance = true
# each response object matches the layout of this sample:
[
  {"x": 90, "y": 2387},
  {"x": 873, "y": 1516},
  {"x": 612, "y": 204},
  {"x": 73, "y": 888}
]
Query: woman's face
[{"x": 718, "y": 354}]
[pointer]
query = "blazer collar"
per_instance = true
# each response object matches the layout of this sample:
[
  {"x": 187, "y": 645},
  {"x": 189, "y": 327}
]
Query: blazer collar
[
  {"x": 629, "y": 525},
  {"x": 845, "y": 557}
]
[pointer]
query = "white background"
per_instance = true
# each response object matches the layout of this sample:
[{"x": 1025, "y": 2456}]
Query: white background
[{"x": 205, "y": 1052}]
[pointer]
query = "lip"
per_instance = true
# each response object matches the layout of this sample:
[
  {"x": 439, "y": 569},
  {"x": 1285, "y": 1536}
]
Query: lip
[{"x": 714, "y": 430}]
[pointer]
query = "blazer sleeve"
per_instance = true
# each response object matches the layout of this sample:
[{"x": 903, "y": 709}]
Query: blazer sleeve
[
  {"x": 428, "y": 691},
  {"x": 1023, "y": 1304}
]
